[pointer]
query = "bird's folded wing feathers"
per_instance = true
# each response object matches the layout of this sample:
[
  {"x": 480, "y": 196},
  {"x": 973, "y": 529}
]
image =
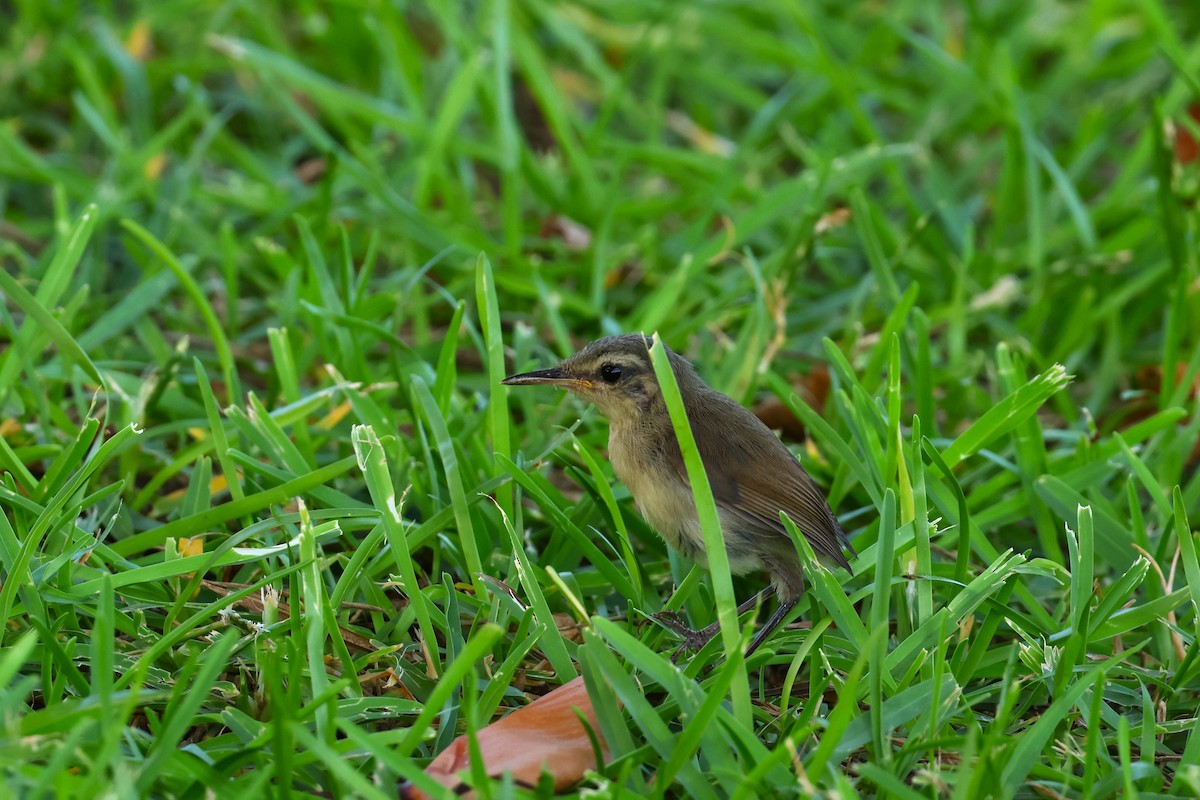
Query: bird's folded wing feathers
[
  {"x": 755, "y": 482},
  {"x": 803, "y": 504}
]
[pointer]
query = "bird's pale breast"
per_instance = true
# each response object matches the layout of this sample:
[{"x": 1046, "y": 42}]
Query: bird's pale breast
[{"x": 667, "y": 504}]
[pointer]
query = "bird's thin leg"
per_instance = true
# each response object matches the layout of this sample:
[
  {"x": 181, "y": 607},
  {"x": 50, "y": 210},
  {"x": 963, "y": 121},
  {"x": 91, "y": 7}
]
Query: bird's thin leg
[
  {"x": 784, "y": 607},
  {"x": 695, "y": 639}
]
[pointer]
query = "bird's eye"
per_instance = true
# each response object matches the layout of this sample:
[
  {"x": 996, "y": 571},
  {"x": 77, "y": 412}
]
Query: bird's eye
[{"x": 611, "y": 373}]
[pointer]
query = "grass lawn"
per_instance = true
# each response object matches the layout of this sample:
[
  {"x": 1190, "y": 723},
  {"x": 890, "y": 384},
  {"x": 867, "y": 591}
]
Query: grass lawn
[{"x": 271, "y": 527}]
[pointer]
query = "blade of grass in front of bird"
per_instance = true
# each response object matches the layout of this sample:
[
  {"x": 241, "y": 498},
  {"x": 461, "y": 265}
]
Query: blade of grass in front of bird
[{"x": 710, "y": 522}]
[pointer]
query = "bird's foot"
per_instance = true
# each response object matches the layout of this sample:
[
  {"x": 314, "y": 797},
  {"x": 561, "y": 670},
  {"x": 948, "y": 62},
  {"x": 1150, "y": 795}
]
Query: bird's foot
[{"x": 692, "y": 639}]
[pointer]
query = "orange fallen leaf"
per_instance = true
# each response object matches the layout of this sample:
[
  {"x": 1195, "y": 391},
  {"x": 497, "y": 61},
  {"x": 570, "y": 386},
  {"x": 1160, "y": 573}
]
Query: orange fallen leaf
[{"x": 544, "y": 736}]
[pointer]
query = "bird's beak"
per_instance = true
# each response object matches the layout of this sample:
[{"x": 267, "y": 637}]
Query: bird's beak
[{"x": 554, "y": 375}]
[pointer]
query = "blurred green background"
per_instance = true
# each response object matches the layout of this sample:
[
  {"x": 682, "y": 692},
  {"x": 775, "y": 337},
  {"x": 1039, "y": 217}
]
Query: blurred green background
[{"x": 1000, "y": 154}]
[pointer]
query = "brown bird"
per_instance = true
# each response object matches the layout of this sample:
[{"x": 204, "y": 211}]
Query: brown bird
[{"x": 752, "y": 474}]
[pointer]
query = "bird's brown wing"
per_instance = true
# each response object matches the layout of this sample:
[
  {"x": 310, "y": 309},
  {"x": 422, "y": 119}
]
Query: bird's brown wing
[{"x": 753, "y": 478}]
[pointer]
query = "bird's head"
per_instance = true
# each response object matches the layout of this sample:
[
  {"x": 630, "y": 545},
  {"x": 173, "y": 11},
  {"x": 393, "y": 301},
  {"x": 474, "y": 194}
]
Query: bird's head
[{"x": 614, "y": 373}]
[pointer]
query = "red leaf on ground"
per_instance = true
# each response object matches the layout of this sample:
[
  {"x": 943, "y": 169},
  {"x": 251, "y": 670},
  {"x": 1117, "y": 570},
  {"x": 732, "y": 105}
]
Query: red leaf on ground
[{"x": 544, "y": 736}]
